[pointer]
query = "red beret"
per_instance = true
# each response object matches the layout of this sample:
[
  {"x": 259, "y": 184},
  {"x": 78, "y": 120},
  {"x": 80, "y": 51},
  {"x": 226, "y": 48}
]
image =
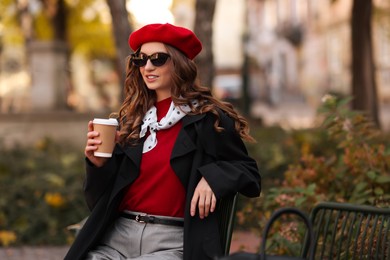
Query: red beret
[{"x": 178, "y": 37}]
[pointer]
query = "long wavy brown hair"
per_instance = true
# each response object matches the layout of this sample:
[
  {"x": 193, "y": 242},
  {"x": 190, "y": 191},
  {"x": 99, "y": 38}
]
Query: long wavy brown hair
[{"x": 186, "y": 88}]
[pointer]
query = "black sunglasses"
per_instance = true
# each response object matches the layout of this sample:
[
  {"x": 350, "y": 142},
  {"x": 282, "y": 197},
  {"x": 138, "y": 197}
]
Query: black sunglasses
[{"x": 157, "y": 59}]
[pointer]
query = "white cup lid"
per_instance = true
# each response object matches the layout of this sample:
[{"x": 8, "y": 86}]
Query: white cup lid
[{"x": 110, "y": 121}]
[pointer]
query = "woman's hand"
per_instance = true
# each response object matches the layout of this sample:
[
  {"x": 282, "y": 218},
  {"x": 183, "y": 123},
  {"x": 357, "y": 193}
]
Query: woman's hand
[
  {"x": 204, "y": 199},
  {"x": 92, "y": 145}
]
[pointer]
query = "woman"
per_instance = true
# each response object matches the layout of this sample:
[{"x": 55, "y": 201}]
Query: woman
[{"x": 179, "y": 150}]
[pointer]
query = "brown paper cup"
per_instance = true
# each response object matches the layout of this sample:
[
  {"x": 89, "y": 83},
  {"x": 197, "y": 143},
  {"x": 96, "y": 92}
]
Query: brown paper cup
[{"x": 107, "y": 131}]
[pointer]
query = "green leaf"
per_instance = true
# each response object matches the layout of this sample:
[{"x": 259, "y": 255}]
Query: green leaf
[
  {"x": 383, "y": 179},
  {"x": 344, "y": 101},
  {"x": 55, "y": 180},
  {"x": 371, "y": 174},
  {"x": 311, "y": 189},
  {"x": 362, "y": 200},
  {"x": 300, "y": 201},
  {"x": 360, "y": 186},
  {"x": 378, "y": 191}
]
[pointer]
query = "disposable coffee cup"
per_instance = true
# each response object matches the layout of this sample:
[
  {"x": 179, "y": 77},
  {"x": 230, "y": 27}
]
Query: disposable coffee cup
[{"x": 107, "y": 131}]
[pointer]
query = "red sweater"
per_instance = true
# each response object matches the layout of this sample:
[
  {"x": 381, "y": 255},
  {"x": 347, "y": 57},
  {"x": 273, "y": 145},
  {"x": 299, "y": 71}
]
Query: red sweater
[{"x": 157, "y": 190}]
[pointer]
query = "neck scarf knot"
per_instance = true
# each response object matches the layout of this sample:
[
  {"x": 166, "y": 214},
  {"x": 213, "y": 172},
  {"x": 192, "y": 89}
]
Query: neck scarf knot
[{"x": 174, "y": 114}]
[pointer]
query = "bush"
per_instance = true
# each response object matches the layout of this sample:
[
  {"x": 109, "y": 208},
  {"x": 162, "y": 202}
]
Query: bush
[
  {"x": 356, "y": 170},
  {"x": 40, "y": 193}
]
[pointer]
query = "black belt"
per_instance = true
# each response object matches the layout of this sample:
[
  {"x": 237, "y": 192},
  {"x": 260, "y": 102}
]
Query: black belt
[{"x": 152, "y": 219}]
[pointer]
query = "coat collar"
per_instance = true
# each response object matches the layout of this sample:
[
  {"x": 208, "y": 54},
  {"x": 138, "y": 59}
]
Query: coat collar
[
  {"x": 184, "y": 143},
  {"x": 135, "y": 153},
  {"x": 190, "y": 119}
]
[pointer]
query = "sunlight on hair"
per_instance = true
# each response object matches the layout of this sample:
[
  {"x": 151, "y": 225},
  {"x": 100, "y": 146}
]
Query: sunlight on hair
[{"x": 151, "y": 11}]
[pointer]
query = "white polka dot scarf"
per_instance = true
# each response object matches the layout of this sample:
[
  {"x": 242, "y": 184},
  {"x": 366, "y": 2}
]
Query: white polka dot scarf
[{"x": 173, "y": 116}]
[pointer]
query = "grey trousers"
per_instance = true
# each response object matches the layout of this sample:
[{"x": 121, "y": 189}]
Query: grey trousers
[{"x": 129, "y": 239}]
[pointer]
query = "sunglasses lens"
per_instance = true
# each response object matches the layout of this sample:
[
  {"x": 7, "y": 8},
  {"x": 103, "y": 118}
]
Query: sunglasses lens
[
  {"x": 140, "y": 60},
  {"x": 159, "y": 59}
]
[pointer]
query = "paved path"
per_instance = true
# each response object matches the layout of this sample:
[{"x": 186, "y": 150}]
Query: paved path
[
  {"x": 245, "y": 241},
  {"x": 240, "y": 241},
  {"x": 33, "y": 253}
]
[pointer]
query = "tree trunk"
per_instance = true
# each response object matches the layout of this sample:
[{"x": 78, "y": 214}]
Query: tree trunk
[
  {"x": 363, "y": 69},
  {"x": 121, "y": 29},
  {"x": 59, "y": 22},
  {"x": 204, "y": 31}
]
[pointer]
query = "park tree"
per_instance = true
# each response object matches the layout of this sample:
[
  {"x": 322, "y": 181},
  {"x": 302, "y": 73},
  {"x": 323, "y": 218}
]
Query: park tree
[
  {"x": 364, "y": 88},
  {"x": 121, "y": 28},
  {"x": 204, "y": 30}
]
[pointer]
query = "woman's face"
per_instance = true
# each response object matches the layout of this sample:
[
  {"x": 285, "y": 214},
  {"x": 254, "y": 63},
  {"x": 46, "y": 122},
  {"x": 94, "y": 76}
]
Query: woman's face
[{"x": 157, "y": 78}]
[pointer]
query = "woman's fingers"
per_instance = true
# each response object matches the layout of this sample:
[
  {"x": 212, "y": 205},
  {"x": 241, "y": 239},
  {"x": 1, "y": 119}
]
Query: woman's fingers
[
  {"x": 92, "y": 145},
  {"x": 194, "y": 202},
  {"x": 203, "y": 199},
  {"x": 213, "y": 203},
  {"x": 209, "y": 204},
  {"x": 90, "y": 126}
]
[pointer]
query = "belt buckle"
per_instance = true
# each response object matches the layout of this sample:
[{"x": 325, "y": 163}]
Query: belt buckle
[{"x": 138, "y": 218}]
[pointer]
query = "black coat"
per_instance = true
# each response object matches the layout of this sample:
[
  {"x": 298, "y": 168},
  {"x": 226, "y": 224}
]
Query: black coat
[{"x": 220, "y": 157}]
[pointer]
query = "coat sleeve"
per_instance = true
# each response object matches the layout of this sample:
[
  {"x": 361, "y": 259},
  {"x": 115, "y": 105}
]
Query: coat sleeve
[
  {"x": 231, "y": 169},
  {"x": 97, "y": 181}
]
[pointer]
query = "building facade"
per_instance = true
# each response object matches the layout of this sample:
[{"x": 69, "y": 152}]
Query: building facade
[{"x": 304, "y": 46}]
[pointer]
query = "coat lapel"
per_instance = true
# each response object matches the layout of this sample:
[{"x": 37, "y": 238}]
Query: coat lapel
[
  {"x": 184, "y": 145},
  {"x": 185, "y": 140},
  {"x": 134, "y": 153},
  {"x": 129, "y": 168}
]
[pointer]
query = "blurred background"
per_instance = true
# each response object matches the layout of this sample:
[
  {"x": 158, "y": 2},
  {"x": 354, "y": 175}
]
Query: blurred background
[{"x": 297, "y": 69}]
